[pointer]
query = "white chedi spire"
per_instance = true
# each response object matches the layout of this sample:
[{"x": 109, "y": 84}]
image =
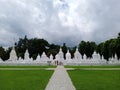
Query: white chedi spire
[
  {"x": 77, "y": 55},
  {"x": 116, "y": 57},
  {"x": 20, "y": 59},
  {"x": 51, "y": 57},
  {"x": 68, "y": 55},
  {"x": 26, "y": 55},
  {"x": 60, "y": 53},
  {"x": 60, "y": 50},
  {"x": 96, "y": 56},
  {"x": 44, "y": 57},
  {"x": 84, "y": 57},
  {"x": 59, "y": 56},
  {"x": 13, "y": 55},
  {"x": 38, "y": 58}
]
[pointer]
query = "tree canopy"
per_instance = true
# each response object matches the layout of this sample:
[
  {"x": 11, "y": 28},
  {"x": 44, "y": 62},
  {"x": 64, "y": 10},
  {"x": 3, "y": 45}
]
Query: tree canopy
[{"x": 36, "y": 46}]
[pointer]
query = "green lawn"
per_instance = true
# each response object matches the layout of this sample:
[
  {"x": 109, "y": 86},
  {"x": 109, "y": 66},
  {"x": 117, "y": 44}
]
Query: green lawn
[
  {"x": 24, "y": 80},
  {"x": 96, "y": 79},
  {"x": 117, "y": 66}
]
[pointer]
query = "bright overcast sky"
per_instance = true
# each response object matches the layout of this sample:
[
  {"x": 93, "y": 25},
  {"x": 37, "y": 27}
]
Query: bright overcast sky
[{"x": 59, "y": 21}]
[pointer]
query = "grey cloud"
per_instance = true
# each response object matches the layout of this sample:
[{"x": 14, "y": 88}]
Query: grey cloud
[{"x": 59, "y": 21}]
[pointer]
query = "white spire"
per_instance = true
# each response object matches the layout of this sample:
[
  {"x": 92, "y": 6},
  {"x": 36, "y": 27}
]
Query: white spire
[{"x": 13, "y": 55}]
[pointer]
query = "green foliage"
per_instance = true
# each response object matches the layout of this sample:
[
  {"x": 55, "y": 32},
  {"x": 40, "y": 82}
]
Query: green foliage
[
  {"x": 72, "y": 51},
  {"x": 82, "y": 47},
  {"x": 64, "y": 49},
  {"x": 106, "y": 50},
  {"x": 37, "y": 46},
  {"x": 118, "y": 46},
  {"x": 21, "y": 46},
  {"x": 53, "y": 49},
  {"x": 90, "y": 48},
  {"x": 4, "y": 54},
  {"x": 87, "y": 48},
  {"x": 109, "y": 48},
  {"x": 99, "y": 49}
]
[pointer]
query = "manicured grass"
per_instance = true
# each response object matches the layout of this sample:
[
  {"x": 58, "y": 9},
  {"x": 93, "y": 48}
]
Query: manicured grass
[
  {"x": 96, "y": 79},
  {"x": 27, "y": 66},
  {"x": 24, "y": 80},
  {"x": 117, "y": 66}
]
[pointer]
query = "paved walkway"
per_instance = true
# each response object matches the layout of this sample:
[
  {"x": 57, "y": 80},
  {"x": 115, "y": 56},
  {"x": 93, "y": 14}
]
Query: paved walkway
[
  {"x": 54, "y": 68},
  {"x": 60, "y": 80},
  {"x": 99, "y": 68},
  {"x": 27, "y": 68}
]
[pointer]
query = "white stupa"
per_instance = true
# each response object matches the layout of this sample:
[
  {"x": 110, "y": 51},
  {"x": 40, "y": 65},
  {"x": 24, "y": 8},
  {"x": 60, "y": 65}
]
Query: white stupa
[
  {"x": 59, "y": 56},
  {"x": 77, "y": 55},
  {"x": 84, "y": 57},
  {"x": 27, "y": 59},
  {"x": 68, "y": 55},
  {"x": 116, "y": 57},
  {"x": 44, "y": 57},
  {"x": 13, "y": 56},
  {"x": 51, "y": 57},
  {"x": 103, "y": 61},
  {"x": 26, "y": 55},
  {"x": 21, "y": 60},
  {"x": 38, "y": 58},
  {"x": 68, "y": 58},
  {"x": 96, "y": 56}
]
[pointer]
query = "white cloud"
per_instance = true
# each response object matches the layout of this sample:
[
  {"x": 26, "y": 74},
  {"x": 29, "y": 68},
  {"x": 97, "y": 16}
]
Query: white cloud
[{"x": 59, "y": 21}]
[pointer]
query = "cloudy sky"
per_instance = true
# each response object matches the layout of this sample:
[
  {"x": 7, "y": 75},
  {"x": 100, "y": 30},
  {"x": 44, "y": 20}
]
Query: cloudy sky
[{"x": 59, "y": 21}]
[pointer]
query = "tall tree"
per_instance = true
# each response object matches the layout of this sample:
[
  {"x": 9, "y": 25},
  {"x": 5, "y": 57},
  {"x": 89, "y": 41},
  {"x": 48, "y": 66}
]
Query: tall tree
[
  {"x": 4, "y": 54},
  {"x": 37, "y": 46},
  {"x": 106, "y": 50},
  {"x": 64, "y": 49},
  {"x": 118, "y": 46},
  {"x": 72, "y": 51},
  {"x": 82, "y": 47},
  {"x": 53, "y": 49},
  {"x": 99, "y": 49},
  {"x": 21, "y": 46},
  {"x": 87, "y": 48},
  {"x": 90, "y": 48}
]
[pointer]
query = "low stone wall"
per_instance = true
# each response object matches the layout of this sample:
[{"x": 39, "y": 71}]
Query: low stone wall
[{"x": 60, "y": 62}]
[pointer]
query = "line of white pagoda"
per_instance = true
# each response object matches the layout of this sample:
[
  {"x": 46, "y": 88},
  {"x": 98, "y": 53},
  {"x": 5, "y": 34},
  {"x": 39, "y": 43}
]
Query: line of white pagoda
[{"x": 44, "y": 60}]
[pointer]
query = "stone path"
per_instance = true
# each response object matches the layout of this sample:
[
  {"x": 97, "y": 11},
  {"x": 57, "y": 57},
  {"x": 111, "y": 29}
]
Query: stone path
[
  {"x": 54, "y": 68},
  {"x": 93, "y": 68},
  {"x": 27, "y": 68},
  {"x": 60, "y": 80},
  {"x": 99, "y": 68}
]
